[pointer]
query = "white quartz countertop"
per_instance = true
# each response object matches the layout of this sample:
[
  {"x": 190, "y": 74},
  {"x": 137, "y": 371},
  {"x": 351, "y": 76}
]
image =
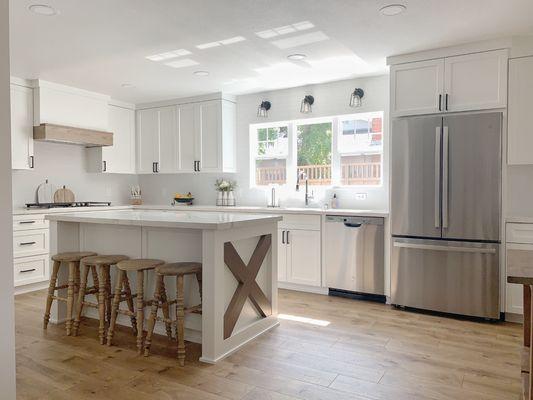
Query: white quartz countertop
[
  {"x": 32, "y": 211},
  {"x": 168, "y": 219},
  {"x": 270, "y": 210}
]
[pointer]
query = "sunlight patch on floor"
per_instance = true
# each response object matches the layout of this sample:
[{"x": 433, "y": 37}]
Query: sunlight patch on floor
[{"x": 305, "y": 320}]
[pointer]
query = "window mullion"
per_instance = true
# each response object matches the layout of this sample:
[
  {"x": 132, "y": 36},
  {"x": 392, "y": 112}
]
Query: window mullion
[{"x": 335, "y": 155}]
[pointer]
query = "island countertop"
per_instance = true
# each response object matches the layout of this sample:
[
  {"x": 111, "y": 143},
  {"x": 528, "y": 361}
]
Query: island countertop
[{"x": 168, "y": 219}]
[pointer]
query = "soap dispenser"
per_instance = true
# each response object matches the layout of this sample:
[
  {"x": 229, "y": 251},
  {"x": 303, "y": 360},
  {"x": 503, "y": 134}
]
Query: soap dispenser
[{"x": 334, "y": 201}]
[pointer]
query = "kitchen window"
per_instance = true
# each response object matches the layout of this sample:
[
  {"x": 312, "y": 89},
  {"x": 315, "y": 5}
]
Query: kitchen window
[{"x": 345, "y": 150}]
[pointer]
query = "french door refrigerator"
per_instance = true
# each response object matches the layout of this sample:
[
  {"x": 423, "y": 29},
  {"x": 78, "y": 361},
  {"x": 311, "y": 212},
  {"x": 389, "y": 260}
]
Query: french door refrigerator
[{"x": 445, "y": 213}]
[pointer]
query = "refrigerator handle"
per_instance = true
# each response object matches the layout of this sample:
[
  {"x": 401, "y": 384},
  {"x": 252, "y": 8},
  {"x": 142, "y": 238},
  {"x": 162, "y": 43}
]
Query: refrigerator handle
[
  {"x": 436, "y": 247},
  {"x": 437, "y": 176},
  {"x": 445, "y": 178}
]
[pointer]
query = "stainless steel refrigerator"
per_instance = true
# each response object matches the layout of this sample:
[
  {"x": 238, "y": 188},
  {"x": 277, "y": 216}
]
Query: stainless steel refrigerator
[{"x": 445, "y": 213}]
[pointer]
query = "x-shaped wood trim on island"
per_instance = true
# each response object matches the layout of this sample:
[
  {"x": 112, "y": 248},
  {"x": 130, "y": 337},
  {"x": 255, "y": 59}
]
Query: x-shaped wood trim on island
[{"x": 248, "y": 287}]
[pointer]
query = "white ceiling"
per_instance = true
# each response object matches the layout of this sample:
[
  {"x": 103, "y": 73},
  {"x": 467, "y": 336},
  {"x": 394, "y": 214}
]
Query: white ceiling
[{"x": 99, "y": 45}]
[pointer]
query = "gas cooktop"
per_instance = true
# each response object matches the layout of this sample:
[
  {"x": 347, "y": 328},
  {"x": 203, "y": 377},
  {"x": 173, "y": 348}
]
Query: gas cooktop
[{"x": 66, "y": 205}]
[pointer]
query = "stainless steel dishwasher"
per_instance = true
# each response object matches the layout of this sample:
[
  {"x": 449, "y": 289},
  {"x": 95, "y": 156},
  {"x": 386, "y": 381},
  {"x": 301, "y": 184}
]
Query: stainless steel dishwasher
[{"x": 354, "y": 255}]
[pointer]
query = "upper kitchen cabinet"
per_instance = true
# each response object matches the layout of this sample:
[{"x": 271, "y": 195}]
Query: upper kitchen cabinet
[
  {"x": 120, "y": 157},
  {"x": 416, "y": 88},
  {"x": 68, "y": 106},
  {"x": 519, "y": 131},
  {"x": 193, "y": 136},
  {"x": 469, "y": 82},
  {"x": 21, "y": 127},
  {"x": 476, "y": 81},
  {"x": 156, "y": 140}
]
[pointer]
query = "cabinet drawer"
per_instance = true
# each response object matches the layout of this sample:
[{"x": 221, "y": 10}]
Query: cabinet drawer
[
  {"x": 296, "y": 221},
  {"x": 519, "y": 233},
  {"x": 31, "y": 269},
  {"x": 25, "y": 222},
  {"x": 28, "y": 243}
]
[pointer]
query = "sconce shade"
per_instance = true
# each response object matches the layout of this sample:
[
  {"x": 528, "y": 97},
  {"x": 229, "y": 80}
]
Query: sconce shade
[
  {"x": 307, "y": 103},
  {"x": 262, "y": 110},
  {"x": 356, "y": 97}
]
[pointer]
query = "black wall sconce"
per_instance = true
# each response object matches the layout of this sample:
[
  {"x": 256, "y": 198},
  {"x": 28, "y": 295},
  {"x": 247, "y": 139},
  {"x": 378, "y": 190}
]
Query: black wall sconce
[
  {"x": 262, "y": 110},
  {"x": 307, "y": 103},
  {"x": 356, "y": 97}
]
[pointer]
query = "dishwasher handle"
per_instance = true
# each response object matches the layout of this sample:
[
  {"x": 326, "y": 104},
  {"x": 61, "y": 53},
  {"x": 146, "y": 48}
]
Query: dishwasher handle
[{"x": 352, "y": 225}]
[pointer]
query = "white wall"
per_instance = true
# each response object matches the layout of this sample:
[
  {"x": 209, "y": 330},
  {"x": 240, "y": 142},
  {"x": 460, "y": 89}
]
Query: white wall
[
  {"x": 7, "y": 316},
  {"x": 330, "y": 99},
  {"x": 64, "y": 164}
]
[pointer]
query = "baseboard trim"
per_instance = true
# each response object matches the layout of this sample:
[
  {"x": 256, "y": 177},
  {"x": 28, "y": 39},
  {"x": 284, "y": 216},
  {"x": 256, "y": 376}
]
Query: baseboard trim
[
  {"x": 516, "y": 318},
  {"x": 303, "y": 288},
  {"x": 32, "y": 287}
]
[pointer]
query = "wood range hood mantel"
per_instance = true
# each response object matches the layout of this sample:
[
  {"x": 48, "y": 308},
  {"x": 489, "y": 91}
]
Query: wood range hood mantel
[{"x": 71, "y": 135}]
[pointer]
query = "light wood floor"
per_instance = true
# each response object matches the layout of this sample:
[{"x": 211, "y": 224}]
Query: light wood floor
[{"x": 367, "y": 351}]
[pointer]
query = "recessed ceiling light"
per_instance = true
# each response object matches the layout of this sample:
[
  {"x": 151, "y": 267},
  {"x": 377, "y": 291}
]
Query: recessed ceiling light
[
  {"x": 201, "y": 73},
  {"x": 392, "y": 9},
  {"x": 43, "y": 9},
  {"x": 296, "y": 57},
  {"x": 127, "y": 85}
]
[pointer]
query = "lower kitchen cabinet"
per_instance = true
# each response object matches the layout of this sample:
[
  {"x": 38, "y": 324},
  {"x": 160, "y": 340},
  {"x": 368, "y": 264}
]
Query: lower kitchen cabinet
[{"x": 300, "y": 257}]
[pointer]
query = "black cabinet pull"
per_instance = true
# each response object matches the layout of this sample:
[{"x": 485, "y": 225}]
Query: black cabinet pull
[
  {"x": 27, "y": 222},
  {"x": 27, "y": 270},
  {"x": 153, "y": 168},
  {"x": 288, "y": 237},
  {"x": 105, "y": 166},
  {"x": 26, "y": 243},
  {"x": 32, "y": 162},
  {"x": 198, "y": 165},
  {"x": 283, "y": 237},
  {"x": 446, "y": 106},
  {"x": 440, "y": 102}
]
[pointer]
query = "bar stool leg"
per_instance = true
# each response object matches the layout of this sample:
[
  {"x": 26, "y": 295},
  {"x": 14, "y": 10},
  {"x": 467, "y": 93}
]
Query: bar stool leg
[
  {"x": 165, "y": 307},
  {"x": 129, "y": 301},
  {"x": 180, "y": 316},
  {"x": 81, "y": 298},
  {"x": 51, "y": 290},
  {"x": 153, "y": 314},
  {"x": 102, "y": 289},
  {"x": 199, "y": 279},
  {"x": 140, "y": 310},
  {"x": 116, "y": 303},
  {"x": 108, "y": 292},
  {"x": 70, "y": 294}
]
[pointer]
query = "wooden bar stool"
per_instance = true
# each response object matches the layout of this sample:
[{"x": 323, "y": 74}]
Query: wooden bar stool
[
  {"x": 100, "y": 267},
  {"x": 179, "y": 270},
  {"x": 73, "y": 259},
  {"x": 139, "y": 266}
]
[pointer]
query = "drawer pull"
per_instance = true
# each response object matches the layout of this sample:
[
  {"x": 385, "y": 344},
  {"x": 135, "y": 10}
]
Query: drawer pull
[
  {"x": 27, "y": 222},
  {"x": 26, "y": 243},
  {"x": 27, "y": 270}
]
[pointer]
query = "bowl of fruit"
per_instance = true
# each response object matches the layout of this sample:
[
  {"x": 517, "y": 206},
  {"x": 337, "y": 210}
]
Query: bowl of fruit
[{"x": 183, "y": 199}]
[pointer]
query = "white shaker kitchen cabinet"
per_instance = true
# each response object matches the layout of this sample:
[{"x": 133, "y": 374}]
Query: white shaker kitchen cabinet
[
  {"x": 282, "y": 256},
  {"x": 156, "y": 140},
  {"x": 519, "y": 128},
  {"x": 303, "y": 257},
  {"x": 147, "y": 140},
  {"x": 215, "y": 136},
  {"x": 21, "y": 127},
  {"x": 476, "y": 81},
  {"x": 119, "y": 158},
  {"x": 187, "y": 137},
  {"x": 417, "y": 87}
]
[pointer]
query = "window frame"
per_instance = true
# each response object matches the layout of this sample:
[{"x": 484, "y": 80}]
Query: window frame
[{"x": 292, "y": 156}]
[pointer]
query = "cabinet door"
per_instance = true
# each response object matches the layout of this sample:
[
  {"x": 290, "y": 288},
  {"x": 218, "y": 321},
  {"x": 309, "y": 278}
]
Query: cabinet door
[
  {"x": 304, "y": 257},
  {"x": 186, "y": 137},
  {"x": 520, "y": 130},
  {"x": 147, "y": 140},
  {"x": 21, "y": 127},
  {"x": 417, "y": 88},
  {"x": 476, "y": 81},
  {"x": 120, "y": 158},
  {"x": 208, "y": 134},
  {"x": 168, "y": 154},
  {"x": 282, "y": 256}
]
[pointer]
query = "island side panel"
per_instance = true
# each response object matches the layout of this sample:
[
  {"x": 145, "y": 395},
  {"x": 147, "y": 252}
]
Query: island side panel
[{"x": 220, "y": 284}]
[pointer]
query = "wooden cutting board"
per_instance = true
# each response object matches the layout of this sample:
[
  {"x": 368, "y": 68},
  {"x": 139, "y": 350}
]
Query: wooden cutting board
[
  {"x": 45, "y": 193},
  {"x": 64, "y": 195}
]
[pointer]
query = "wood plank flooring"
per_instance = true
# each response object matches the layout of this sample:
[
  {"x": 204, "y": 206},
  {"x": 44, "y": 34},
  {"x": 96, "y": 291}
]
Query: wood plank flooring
[{"x": 345, "y": 349}]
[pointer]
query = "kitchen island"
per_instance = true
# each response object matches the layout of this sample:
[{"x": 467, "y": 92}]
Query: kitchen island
[{"x": 239, "y": 265}]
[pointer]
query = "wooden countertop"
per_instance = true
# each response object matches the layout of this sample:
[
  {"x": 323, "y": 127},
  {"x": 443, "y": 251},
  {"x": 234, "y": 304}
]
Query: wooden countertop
[{"x": 520, "y": 266}]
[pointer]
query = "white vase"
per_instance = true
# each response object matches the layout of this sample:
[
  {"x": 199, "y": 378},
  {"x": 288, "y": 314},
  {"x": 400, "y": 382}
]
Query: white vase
[
  {"x": 231, "y": 198},
  {"x": 220, "y": 199}
]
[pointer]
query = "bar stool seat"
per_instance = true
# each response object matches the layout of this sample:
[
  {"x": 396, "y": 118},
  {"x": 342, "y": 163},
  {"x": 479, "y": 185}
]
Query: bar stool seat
[
  {"x": 73, "y": 259},
  {"x": 100, "y": 266},
  {"x": 139, "y": 266},
  {"x": 178, "y": 270}
]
